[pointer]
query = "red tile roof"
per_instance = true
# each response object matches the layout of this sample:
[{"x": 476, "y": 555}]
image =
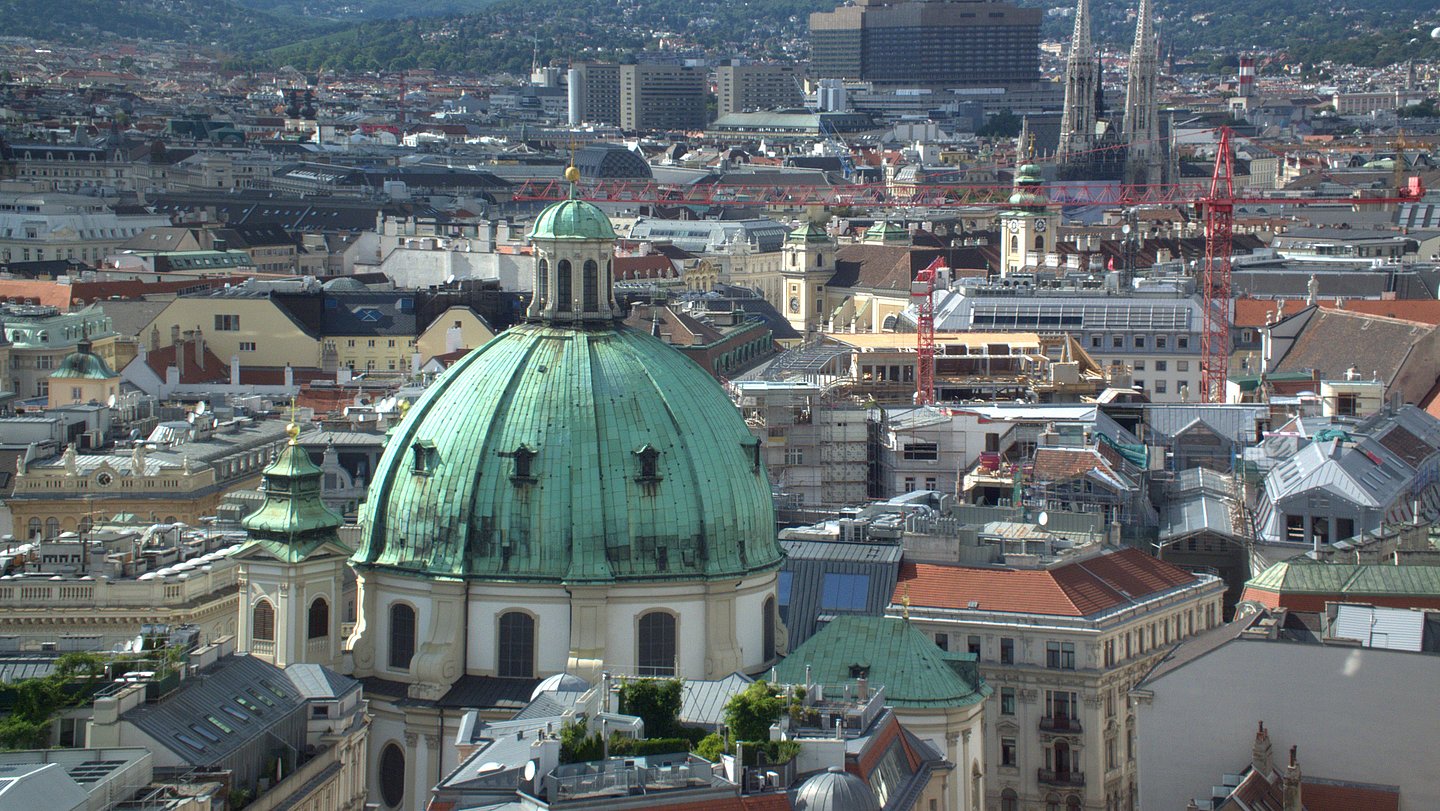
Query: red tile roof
[
  {"x": 1076, "y": 589},
  {"x": 1324, "y": 795},
  {"x": 213, "y": 371}
]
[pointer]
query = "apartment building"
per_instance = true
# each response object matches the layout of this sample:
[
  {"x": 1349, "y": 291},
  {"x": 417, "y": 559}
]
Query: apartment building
[
  {"x": 758, "y": 87},
  {"x": 1061, "y": 646}
]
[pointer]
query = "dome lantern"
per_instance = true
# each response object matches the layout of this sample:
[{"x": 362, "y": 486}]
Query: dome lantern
[{"x": 574, "y": 262}]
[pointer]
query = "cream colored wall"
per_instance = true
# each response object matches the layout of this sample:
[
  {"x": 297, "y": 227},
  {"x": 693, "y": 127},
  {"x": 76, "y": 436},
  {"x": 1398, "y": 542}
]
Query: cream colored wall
[
  {"x": 277, "y": 339},
  {"x": 473, "y": 332},
  {"x": 71, "y": 390},
  {"x": 374, "y": 353}
]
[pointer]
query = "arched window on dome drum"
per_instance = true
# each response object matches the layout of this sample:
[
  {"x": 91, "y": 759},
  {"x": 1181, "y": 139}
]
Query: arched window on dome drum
[
  {"x": 402, "y": 636},
  {"x": 769, "y": 646},
  {"x": 562, "y": 286},
  {"x": 656, "y": 644},
  {"x": 262, "y": 621},
  {"x": 542, "y": 283},
  {"x": 392, "y": 775},
  {"x": 590, "y": 286},
  {"x": 318, "y": 619},
  {"x": 517, "y": 646}
]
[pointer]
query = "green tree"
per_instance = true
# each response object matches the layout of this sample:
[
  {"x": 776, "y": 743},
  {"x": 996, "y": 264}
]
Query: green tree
[
  {"x": 711, "y": 747},
  {"x": 654, "y": 701},
  {"x": 750, "y": 712},
  {"x": 1004, "y": 124},
  {"x": 579, "y": 745}
]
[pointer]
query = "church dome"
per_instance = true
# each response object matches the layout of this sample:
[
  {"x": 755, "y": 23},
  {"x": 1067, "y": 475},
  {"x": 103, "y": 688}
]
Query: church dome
[
  {"x": 835, "y": 790},
  {"x": 557, "y": 453},
  {"x": 572, "y": 219}
]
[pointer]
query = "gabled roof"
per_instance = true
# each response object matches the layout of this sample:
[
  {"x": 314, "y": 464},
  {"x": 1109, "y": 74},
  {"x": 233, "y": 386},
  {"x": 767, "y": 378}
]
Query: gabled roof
[
  {"x": 1335, "y": 340},
  {"x": 1080, "y": 589},
  {"x": 893, "y": 653}
]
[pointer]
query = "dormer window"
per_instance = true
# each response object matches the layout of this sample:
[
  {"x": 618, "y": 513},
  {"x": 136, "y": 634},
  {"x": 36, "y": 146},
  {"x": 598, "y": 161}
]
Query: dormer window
[
  {"x": 523, "y": 471},
  {"x": 424, "y": 458},
  {"x": 754, "y": 447},
  {"x": 649, "y": 460}
]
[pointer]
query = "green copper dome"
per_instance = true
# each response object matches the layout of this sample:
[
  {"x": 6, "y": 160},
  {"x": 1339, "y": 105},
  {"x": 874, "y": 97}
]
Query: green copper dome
[
  {"x": 808, "y": 233},
  {"x": 560, "y": 454},
  {"x": 293, "y": 520},
  {"x": 1028, "y": 188},
  {"x": 84, "y": 364},
  {"x": 572, "y": 219}
]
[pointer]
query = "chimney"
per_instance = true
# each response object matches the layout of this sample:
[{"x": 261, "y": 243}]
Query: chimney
[
  {"x": 199, "y": 348},
  {"x": 1292, "y": 785},
  {"x": 154, "y": 338},
  {"x": 1260, "y": 754},
  {"x": 235, "y": 370},
  {"x": 174, "y": 334}
]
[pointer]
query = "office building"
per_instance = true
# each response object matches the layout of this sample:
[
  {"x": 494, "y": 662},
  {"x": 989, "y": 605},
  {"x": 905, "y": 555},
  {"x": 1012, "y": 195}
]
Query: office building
[
  {"x": 758, "y": 87},
  {"x": 594, "y": 93},
  {"x": 937, "y": 43},
  {"x": 662, "y": 97}
]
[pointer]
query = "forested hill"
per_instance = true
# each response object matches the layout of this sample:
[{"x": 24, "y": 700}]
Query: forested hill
[{"x": 486, "y": 36}]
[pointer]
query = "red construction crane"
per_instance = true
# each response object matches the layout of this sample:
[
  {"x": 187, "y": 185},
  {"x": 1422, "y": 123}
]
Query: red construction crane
[
  {"x": 1219, "y": 210},
  {"x": 922, "y": 293}
]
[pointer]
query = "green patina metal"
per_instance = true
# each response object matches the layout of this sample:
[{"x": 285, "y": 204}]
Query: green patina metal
[
  {"x": 560, "y": 454},
  {"x": 886, "y": 233},
  {"x": 808, "y": 234},
  {"x": 84, "y": 365},
  {"x": 572, "y": 219},
  {"x": 890, "y": 652},
  {"x": 293, "y": 520},
  {"x": 1028, "y": 192}
]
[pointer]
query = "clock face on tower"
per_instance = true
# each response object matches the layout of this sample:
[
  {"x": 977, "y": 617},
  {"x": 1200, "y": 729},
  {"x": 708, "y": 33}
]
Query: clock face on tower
[
  {"x": 1013, "y": 225},
  {"x": 794, "y": 305},
  {"x": 1040, "y": 225}
]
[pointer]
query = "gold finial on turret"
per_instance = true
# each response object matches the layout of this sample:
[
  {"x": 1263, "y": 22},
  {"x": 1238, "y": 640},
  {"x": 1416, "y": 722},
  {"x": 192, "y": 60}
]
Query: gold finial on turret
[
  {"x": 292, "y": 430},
  {"x": 905, "y": 603}
]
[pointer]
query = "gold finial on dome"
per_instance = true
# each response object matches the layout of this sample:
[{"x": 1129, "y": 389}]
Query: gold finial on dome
[
  {"x": 404, "y": 407},
  {"x": 572, "y": 174}
]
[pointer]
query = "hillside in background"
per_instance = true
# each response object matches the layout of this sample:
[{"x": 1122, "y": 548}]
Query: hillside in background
[{"x": 488, "y": 36}]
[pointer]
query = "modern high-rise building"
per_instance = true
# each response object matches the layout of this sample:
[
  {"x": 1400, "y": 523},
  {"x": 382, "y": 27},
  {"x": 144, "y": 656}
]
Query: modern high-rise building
[
  {"x": 758, "y": 87},
  {"x": 928, "y": 43},
  {"x": 662, "y": 97},
  {"x": 594, "y": 93}
]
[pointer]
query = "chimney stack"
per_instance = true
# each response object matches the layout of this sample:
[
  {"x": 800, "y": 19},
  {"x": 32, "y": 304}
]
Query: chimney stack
[
  {"x": 1260, "y": 754},
  {"x": 1292, "y": 785}
]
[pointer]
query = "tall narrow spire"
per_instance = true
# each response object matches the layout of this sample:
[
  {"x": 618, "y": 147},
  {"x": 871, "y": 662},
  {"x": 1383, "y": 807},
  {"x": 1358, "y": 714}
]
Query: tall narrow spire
[
  {"x": 1142, "y": 106},
  {"x": 1077, "y": 124}
]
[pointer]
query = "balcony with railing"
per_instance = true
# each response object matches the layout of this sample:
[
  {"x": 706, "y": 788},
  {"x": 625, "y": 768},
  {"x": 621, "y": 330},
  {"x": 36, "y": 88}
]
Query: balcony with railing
[
  {"x": 1060, "y": 723},
  {"x": 1050, "y": 777}
]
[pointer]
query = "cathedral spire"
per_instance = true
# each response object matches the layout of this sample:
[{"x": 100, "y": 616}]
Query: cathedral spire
[
  {"x": 1142, "y": 131},
  {"x": 1082, "y": 80}
]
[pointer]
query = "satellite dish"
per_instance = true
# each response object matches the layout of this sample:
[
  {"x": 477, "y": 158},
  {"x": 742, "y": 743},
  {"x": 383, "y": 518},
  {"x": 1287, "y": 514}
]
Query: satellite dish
[
  {"x": 1125, "y": 229},
  {"x": 450, "y": 279},
  {"x": 1043, "y": 519},
  {"x": 200, "y": 409},
  {"x": 530, "y": 770},
  {"x": 190, "y": 418},
  {"x": 110, "y": 401}
]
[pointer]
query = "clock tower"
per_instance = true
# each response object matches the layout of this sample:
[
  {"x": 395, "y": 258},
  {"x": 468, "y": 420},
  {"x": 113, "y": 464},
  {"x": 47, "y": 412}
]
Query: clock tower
[
  {"x": 807, "y": 264},
  {"x": 1027, "y": 226}
]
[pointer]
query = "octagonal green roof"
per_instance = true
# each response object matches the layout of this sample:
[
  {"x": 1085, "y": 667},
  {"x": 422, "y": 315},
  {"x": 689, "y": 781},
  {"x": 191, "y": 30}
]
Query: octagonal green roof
[
  {"x": 83, "y": 364},
  {"x": 560, "y": 454},
  {"x": 572, "y": 219}
]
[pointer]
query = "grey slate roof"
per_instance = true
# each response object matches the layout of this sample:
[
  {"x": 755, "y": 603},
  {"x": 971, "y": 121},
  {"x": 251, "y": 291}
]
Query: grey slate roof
[
  {"x": 1234, "y": 422},
  {"x": 702, "y": 702},
  {"x": 317, "y": 682},
  {"x": 246, "y": 696}
]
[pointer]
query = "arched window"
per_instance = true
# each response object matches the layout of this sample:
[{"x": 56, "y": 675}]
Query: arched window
[
  {"x": 609, "y": 274},
  {"x": 562, "y": 286},
  {"x": 262, "y": 621},
  {"x": 86, "y": 524},
  {"x": 1040, "y": 243},
  {"x": 392, "y": 775},
  {"x": 656, "y": 643},
  {"x": 318, "y": 620},
  {"x": 52, "y": 527},
  {"x": 770, "y": 619},
  {"x": 1052, "y": 802},
  {"x": 819, "y": 259},
  {"x": 1072, "y": 803},
  {"x": 590, "y": 286},
  {"x": 1014, "y": 244},
  {"x": 542, "y": 283},
  {"x": 34, "y": 529},
  {"x": 1009, "y": 800},
  {"x": 516, "y": 657},
  {"x": 402, "y": 636}
]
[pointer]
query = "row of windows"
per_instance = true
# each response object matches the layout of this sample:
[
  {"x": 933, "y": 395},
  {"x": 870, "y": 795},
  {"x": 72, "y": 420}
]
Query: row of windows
[
  {"x": 1140, "y": 341},
  {"x": 317, "y": 620}
]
